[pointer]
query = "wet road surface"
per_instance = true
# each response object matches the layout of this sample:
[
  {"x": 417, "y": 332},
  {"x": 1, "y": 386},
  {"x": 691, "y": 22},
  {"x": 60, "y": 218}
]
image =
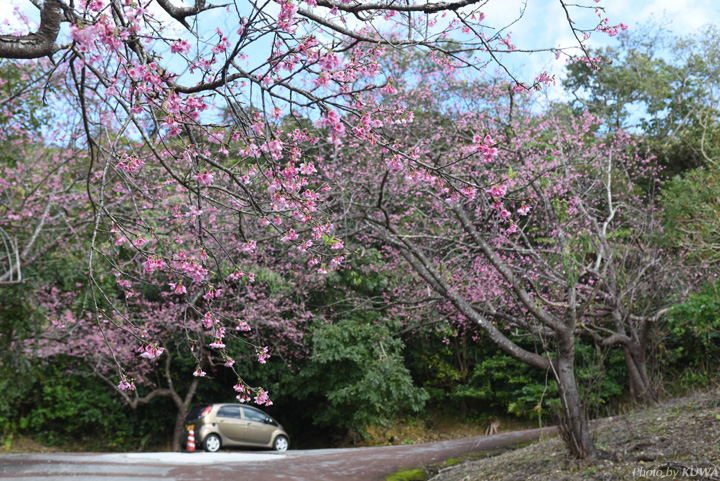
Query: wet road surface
[{"x": 355, "y": 464}]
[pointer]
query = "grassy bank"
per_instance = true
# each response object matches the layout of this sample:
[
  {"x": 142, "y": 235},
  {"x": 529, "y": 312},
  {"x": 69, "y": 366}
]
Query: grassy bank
[{"x": 677, "y": 439}]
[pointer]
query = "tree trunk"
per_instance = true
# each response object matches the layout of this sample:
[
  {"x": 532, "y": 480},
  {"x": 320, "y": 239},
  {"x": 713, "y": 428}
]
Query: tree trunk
[
  {"x": 179, "y": 427},
  {"x": 641, "y": 389},
  {"x": 182, "y": 410},
  {"x": 573, "y": 425}
]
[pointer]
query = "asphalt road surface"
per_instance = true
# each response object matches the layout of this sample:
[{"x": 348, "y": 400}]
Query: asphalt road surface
[{"x": 355, "y": 464}]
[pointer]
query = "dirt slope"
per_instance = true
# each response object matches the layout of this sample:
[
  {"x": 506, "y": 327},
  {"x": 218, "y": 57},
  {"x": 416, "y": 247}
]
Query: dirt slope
[{"x": 676, "y": 440}]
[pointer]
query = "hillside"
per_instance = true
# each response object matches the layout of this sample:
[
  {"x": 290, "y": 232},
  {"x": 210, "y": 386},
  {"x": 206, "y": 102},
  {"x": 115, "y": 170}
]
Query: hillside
[{"x": 677, "y": 439}]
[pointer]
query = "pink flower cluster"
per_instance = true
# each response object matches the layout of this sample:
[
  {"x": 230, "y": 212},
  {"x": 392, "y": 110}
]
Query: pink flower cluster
[
  {"x": 126, "y": 385},
  {"x": 497, "y": 191},
  {"x": 193, "y": 269},
  {"x": 151, "y": 351},
  {"x": 290, "y": 236},
  {"x": 248, "y": 247},
  {"x": 237, "y": 275},
  {"x": 103, "y": 31},
  {"x": 216, "y": 138},
  {"x": 320, "y": 230},
  {"x": 389, "y": 87},
  {"x": 244, "y": 391},
  {"x": 208, "y": 320},
  {"x": 334, "y": 122},
  {"x": 611, "y": 30},
  {"x": 263, "y": 399},
  {"x": 286, "y": 18},
  {"x": 307, "y": 168},
  {"x": 181, "y": 46},
  {"x": 274, "y": 148},
  {"x": 153, "y": 264},
  {"x": 206, "y": 178},
  {"x": 329, "y": 62},
  {"x": 486, "y": 147},
  {"x": 262, "y": 354},
  {"x": 131, "y": 165}
]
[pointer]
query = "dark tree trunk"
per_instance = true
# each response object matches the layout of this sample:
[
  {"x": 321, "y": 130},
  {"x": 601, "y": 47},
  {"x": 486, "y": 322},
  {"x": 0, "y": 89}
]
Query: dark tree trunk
[
  {"x": 182, "y": 410},
  {"x": 182, "y": 404},
  {"x": 641, "y": 389},
  {"x": 179, "y": 427},
  {"x": 573, "y": 425}
]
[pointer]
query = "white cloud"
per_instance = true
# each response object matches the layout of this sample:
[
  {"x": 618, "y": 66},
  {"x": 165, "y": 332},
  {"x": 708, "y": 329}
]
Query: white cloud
[
  {"x": 544, "y": 25},
  {"x": 685, "y": 16}
]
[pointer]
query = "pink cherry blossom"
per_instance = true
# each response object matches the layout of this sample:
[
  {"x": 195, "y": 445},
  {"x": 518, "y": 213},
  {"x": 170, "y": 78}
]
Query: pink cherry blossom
[
  {"x": 263, "y": 355},
  {"x": 151, "y": 351},
  {"x": 206, "y": 178},
  {"x": 497, "y": 191}
]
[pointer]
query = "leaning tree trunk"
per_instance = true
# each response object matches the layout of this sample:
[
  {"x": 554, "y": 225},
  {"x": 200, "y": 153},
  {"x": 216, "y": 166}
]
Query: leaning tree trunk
[{"x": 573, "y": 425}]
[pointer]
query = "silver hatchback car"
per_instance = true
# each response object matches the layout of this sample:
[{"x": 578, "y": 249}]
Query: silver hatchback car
[{"x": 227, "y": 425}]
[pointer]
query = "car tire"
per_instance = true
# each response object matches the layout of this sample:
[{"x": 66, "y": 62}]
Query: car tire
[
  {"x": 212, "y": 443},
  {"x": 281, "y": 444}
]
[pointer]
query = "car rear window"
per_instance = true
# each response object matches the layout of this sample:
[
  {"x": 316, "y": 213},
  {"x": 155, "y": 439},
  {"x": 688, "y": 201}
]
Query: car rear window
[{"x": 195, "y": 412}]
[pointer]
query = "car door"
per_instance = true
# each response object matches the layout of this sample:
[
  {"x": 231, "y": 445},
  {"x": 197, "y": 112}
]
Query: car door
[
  {"x": 230, "y": 424},
  {"x": 259, "y": 428}
]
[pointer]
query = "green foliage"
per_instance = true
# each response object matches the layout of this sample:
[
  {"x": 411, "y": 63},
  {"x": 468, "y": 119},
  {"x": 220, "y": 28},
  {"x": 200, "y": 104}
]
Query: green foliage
[
  {"x": 693, "y": 341},
  {"x": 408, "y": 475},
  {"x": 477, "y": 378},
  {"x": 601, "y": 376},
  {"x": 58, "y": 407},
  {"x": 26, "y": 110},
  {"x": 671, "y": 100},
  {"x": 692, "y": 212},
  {"x": 506, "y": 384},
  {"x": 357, "y": 367}
]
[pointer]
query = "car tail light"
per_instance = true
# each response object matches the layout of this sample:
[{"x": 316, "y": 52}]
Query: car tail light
[{"x": 206, "y": 411}]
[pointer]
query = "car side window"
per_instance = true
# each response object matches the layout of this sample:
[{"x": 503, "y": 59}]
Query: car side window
[
  {"x": 257, "y": 416},
  {"x": 229, "y": 412}
]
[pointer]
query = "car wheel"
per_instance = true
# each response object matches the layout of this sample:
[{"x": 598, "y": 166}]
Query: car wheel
[
  {"x": 212, "y": 443},
  {"x": 281, "y": 444}
]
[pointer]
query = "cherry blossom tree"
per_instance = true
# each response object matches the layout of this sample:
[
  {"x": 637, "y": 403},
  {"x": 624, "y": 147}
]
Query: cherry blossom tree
[
  {"x": 245, "y": 321},
  {"x": 41, "y": 204},
  {"x": 198, "y": 141},
  {"x": 522, "y": 223}
]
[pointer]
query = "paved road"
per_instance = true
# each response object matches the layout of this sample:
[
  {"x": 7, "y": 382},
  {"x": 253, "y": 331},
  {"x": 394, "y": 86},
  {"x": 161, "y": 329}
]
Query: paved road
[{"x": 358, "y": 464}]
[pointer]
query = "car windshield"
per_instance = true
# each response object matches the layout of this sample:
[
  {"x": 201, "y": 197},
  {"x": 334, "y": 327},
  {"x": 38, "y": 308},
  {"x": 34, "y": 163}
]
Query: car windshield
[{"x": 258, "y": 416}]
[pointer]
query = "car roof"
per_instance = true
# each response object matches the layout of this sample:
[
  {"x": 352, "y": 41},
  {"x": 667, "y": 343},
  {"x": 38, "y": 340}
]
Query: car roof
[{"x": 237, "y": 404}]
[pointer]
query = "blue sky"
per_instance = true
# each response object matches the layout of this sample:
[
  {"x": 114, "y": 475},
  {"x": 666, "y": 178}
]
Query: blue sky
[
  {"x": 544, "y": 24},
  {"x": 544, "y": 21}
]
